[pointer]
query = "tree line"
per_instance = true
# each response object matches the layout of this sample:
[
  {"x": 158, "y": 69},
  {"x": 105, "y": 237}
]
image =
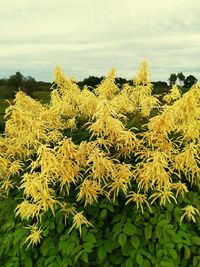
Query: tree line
[
  {"x": 29, "y": 84},
  {"x": 19, "y": 81},
  {"x": 182, "y": 80}
]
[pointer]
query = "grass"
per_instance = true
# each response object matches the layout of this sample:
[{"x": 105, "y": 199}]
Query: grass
[
  {"x": 42, "y": 96},
  {"x": 3, "y": 105}
]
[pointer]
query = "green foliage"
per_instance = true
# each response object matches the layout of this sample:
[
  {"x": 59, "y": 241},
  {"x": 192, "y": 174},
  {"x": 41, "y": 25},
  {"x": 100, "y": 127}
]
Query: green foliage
[
  {"x": 6, "y": 92},
  {"x": 3, "y": 105},
  {"x": 120, "y": 237},
  {"x": 43, "y": 96}
]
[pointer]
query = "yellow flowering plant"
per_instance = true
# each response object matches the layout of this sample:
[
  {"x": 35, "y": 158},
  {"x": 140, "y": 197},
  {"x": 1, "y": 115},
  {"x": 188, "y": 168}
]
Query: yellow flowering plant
[{"x": 51, "y": 169}]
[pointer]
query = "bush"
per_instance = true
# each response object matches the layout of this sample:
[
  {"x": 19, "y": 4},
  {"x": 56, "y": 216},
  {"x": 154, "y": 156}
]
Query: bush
[
  {"x": 94, "y": 191},
  {"x": 120, "y": 237}
]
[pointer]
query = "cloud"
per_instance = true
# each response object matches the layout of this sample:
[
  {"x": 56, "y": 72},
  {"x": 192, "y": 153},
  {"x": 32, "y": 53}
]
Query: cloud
[{"x": 89, "y": 37}]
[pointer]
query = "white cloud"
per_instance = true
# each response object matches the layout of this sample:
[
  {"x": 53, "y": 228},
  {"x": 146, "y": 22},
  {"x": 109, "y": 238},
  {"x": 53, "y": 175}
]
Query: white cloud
[{"x": 89, "y": 37}]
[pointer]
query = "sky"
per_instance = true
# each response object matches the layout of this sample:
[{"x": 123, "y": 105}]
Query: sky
[{"x": 88, "y": 37}]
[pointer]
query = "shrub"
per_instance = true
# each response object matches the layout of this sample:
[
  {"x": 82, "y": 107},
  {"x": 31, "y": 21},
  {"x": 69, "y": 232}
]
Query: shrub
[{"x": 76, "y": 164}]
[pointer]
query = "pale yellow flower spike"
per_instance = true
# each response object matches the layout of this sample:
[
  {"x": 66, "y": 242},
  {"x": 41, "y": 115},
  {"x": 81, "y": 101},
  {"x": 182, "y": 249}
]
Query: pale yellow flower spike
[
  {"x": 174, "y": 94},
  {"x": 89, "y": 190},
  {"x": 35, "y": 236},
  {"x": 121, "y": 181},
  {"x": 163, "y": 196},
  {"x": 141, "y": 94},
  {"x": 189, "y": 213},
  {"x": 79, "y": 220},
  {"x": 140, "y": 200},
  {"x": 107, "y": 89},
  {"x": 68, "y": 209},
  {"x": 180, "y": 188},
  {"x": 142, "y": 77}
]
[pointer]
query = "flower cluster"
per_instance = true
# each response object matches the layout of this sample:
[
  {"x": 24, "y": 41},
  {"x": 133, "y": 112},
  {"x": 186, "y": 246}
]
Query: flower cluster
[{"x": 47, "y": 166}]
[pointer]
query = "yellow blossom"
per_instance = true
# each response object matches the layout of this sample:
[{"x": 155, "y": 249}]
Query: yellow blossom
[
  {"x": 78, "y": 221},
  {"x": 35, "y": 236},
  {"x": 140, "y": 200},
  {"x": 189, "y": 213}
]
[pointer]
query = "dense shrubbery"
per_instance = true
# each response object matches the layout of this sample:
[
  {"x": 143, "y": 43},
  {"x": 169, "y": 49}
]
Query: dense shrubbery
[
  {"x": 120, "y": 237},
  {"x": 78, "y": 164}
]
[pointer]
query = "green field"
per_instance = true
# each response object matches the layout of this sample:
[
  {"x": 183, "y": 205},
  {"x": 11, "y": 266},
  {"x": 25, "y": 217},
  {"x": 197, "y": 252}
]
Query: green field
[
  {"x": 43, "y": 96},
  {"x": 3, "y": 105}
]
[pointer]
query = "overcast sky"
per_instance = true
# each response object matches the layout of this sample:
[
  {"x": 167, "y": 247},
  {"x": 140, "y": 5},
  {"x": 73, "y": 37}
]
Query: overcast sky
[{"x": 88, "y": 37}]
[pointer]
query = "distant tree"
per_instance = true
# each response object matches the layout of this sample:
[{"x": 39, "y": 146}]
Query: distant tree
[
  {"x": 29, "y": 85},
  {"x": 190, "y": 81},
  {"x": 120, "y": 81},
  {"x": 43, "y": 86},
  {"x": 91, "y": 81},
  {"x": 3, "y": 81},
  {"x": 15, "y": 81},
  {"x": 160, "y": 87},
  {"x": 172, "y": 79},
  {"x": 18, "y": 81},
  {"x": 181, "y": 78}
]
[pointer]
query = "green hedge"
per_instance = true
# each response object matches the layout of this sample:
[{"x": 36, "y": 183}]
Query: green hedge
[{"x": 120, "y": 237}]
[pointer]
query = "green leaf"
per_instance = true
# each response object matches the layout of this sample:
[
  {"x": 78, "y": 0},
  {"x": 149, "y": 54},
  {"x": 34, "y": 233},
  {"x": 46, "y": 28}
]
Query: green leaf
[
  {"x": 117, "y": 226},
  {"x": 90, "y": 237},
  {"x": 52, "y": 225},
  {"x": 167, "y": 264},
  {"x": 78, "y": 255},
  {"x": 116, "y": 230},
  {"x": 176, "y": 238},
  {"x": 85, "y": 257},
  {"x": 110, "y": 208},
  {"x": 151, "y": 247},
  {"x": 116, "y": 233},
  {"x": 76, "y": 250},
  {"x": 108, "y": 245},
  {"x": 195, "y": 261},
  {"x": 101, "y": 252},
  {"x": 122, "y": 239},
  {"x": 40, "y": 262},
  {"x": 28, "y": 262},
  {"x": 88, "y": 246},
  {"x": 135, "y": 241},
  {"x": 177, "y": 212},
  {"x": 129, "y": 263},
  {"x": 187, "y": 252},
  {"x": 146, "y": 253},
  {"x": 195, "y": 240},
  {"x": 19, "y": 234},
  {"x": 163, "y": 223},
  {"x": 168, "y": 216},
  {"x": 139, "y": 258},
  {"x": 173, "y": 253},
  {"x": 169, "y": 245},
  {"x": 126, "y": 250},
  {"x": 148, "y": 231},
  {"x": 146, "y": 263},
  {"x": 54, "y": 264},
  {"x": 158, "y": 232},
  {"x": 129, "y": 229},
  {"x": 103, "y": 213},
  {"x": 46, "y": 232},
  {"x": 59, "y": 228},
  {"x": 49, "y": 260},
  {"x": 160, "y": 253},
  {"x": 66, "y": 247}
]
